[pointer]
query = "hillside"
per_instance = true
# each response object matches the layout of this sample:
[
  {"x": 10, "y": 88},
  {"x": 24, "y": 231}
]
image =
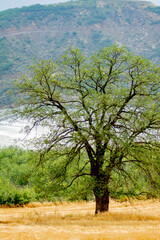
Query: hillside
[{"x": 45, "y": 31}]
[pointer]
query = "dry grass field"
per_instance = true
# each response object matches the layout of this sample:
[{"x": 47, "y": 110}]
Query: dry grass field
[{"x": 139, "y": 220}]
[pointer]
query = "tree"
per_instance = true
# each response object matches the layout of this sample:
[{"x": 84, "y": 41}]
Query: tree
[{"x": 106, "y": 107}]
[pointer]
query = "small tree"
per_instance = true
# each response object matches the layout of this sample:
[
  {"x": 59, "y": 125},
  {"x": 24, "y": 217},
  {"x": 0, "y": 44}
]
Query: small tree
[{"x": 106, "y": 107}]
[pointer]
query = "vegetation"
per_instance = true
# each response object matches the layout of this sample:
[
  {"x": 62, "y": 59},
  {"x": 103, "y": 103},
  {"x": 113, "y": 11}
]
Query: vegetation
[
  {"x": 102, "y": 117},
  {"x": 139, "y": 220},
  {"x": 14, "y": 186},
  {"x": 155, "y": 10},
  {"x": 38, "y": 31},
  {"x": 5, "y": 64},
  {"x": 20, "y": 184}
]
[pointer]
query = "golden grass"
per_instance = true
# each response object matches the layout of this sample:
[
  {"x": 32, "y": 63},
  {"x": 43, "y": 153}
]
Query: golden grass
[
  {"x": 77, "y": 221},
  {"x": 84, "y": 220}
]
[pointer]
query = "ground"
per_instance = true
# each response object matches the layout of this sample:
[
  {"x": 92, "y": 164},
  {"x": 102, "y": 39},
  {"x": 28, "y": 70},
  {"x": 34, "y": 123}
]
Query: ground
[{"x": 138, "y": 220}]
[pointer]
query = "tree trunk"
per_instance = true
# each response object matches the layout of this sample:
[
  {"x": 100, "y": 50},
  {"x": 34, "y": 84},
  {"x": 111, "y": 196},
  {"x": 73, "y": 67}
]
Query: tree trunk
[{"x": 102, "y": 199}]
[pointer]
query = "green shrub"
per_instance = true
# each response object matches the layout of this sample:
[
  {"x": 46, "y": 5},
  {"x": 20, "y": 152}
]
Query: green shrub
[
  {"x": 154, "y": 9},
  {"x": 10, "y": 194}
]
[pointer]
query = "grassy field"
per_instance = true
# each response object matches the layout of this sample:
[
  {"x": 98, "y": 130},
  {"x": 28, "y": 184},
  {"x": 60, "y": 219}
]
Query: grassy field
[{"x": 138, "y": 220}]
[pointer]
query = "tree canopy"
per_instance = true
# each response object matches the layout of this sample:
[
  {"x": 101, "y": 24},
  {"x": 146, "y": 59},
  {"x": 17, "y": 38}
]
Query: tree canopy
[{"x": 106, "y": 108}]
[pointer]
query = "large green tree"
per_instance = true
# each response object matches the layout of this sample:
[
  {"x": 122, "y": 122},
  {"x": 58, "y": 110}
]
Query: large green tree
[{"x": 106, "y": 108}]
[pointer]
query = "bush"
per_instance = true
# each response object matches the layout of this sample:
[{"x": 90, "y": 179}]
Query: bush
[
  {"x": 10, "y": 194},
  {"x": 14, "y": 168}
]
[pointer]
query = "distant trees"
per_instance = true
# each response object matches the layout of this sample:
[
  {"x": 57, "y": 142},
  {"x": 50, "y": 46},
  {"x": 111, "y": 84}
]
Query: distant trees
[
  {"x": 102, "y": 114},
  {"x": 14, "y": 185}
]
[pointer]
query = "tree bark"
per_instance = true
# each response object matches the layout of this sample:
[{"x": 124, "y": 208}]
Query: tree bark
[{"x": 102, "y": 199}]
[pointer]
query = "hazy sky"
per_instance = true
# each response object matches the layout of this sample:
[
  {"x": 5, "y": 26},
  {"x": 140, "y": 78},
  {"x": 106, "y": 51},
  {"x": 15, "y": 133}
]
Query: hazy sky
[
  {"x": 6, "y": 4},
  {"x": 157, "y": 2}
]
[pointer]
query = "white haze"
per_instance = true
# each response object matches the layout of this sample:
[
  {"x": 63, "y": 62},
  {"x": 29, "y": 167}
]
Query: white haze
[
  {"x": 7, "y": 4},
  {"x": 12, "y": 132},
  {"x": 156, "y": 2}
]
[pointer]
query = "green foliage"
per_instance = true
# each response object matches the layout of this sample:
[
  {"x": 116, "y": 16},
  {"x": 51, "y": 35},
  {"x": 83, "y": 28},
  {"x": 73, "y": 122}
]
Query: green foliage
[
  {"x": 107, "y": 42},
  {"x": 96, "y": 35},
  {"x": 7, "y": 16},
  {"x": 11, "y": 194},
  {"x": 25, "y": 15},
  {"x": 154, "y": 9},
  {"x": 156, "y": 52},
  {"x": 96, "y": 16},
  {"x": 5, "y": 63},
  {"x": 78, "y": 18},
  {"x": 155, "y": 22},
  {"x": 18, "y": 186},
  {"x": 102, "y": 114},
  {"x": 52, "y": 179},
  {"x": 136, "y": 185},
  {"x": 48, "y": 182},
  {"x": 14, "y": 165},
  {"x": 14, "y": 183}
]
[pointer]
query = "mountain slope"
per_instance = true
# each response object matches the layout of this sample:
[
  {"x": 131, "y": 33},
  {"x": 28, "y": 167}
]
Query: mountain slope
[{"x": 45, "y": 31}]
